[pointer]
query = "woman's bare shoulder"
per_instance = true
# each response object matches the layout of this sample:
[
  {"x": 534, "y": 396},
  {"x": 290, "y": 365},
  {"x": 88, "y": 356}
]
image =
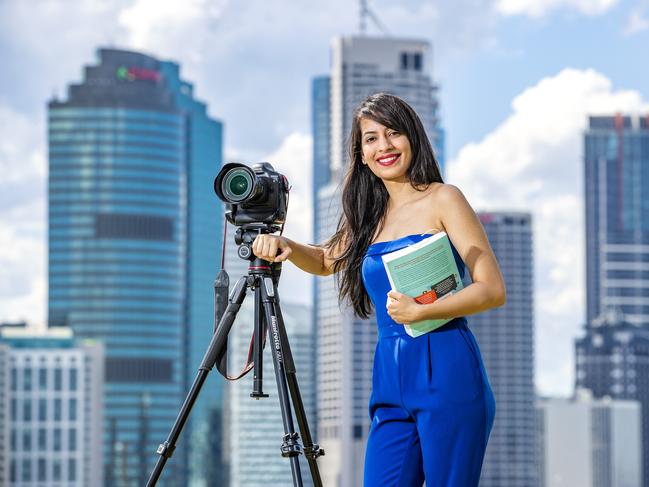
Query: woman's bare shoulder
[
  {"x": 442, "y": 193},
  {"x": 443, "y": 196}
]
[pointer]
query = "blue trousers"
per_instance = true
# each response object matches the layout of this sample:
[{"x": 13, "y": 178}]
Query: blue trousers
[{"x": 431, "y": 409}]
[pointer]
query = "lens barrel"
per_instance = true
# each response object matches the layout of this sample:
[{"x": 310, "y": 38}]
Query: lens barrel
[{"x": 235, "y": 183}]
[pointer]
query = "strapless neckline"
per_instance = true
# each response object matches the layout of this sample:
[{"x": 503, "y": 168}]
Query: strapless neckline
[{"x": 385, "y": 242}]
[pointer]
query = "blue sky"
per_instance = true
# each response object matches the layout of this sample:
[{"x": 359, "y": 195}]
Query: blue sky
[{"x": 517, "y": 79}]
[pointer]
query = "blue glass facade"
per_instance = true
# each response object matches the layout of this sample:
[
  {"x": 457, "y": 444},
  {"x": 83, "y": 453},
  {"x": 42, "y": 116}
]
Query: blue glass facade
[
  {"x": 320, "y": 121},
  {"x": 617, "y": 216},
  {"x": 133, "y": 241}
]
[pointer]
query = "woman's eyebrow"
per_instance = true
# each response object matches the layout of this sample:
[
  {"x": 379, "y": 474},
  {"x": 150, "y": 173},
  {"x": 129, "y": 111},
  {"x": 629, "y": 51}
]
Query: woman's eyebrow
[{"x": 369, "y": 132}]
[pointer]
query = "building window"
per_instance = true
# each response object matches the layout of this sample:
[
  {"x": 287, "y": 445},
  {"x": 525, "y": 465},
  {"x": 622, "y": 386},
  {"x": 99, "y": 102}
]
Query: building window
[
  {"x": 72, "y": 469},
  {"x": 72, "y": 410},
  {"x": 125, "y": 369},
  {"x": 42, "y": 409},
  {"x": 73, "y": 379},
  {"x": 27, "y": 470},
  {"x": 27, "y": 410},
  {"x": 27, "y": 379},
  {"x": 58, "y": 379},
  {"x": 14, "y": 378},
  {"x": 140, "y": 227},
  {"x": 42, "y": 469},
  {"x": 404, "y": 60},
  {"x": 42, "y": 378},
  {"x": 27, "y": 440},
  {"x": 57, "y": 409},
  {"x": 57, "y": 439},
  {"x": 417, "y": 59},
  {"x": 72, "y": 439},
  {"x": 14, "y": 407},
  {"x": 56, "y": 470},
  {"x": 42, "y": 439},
  {"x": 14, "y": 441}
]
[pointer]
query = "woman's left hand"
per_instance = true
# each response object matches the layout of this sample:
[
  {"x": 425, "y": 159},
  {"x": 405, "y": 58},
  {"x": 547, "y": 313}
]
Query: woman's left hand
[{"x": 402, "y": 308}]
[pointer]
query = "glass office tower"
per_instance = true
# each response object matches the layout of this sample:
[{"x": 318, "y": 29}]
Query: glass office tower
[
  {"x": 616, "y": 170},
  {"x": 133, "y": 243}
]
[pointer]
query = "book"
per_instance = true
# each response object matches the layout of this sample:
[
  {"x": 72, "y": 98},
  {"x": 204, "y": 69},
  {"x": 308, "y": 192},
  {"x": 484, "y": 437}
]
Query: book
[{"x": 425, "y": 271}]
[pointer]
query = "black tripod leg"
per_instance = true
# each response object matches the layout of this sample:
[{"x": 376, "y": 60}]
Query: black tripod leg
[
  {"x": 311, "y": 451},
  {"x": 290, "y": 446},
  {"x": 219, "y": 339}
]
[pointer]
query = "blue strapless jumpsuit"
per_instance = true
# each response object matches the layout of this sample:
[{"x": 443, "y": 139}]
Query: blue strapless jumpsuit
[{"x": 431, "y": 406}]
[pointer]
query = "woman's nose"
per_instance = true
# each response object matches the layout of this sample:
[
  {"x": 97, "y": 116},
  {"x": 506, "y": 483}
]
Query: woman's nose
[{"x": 384, "y": 143}]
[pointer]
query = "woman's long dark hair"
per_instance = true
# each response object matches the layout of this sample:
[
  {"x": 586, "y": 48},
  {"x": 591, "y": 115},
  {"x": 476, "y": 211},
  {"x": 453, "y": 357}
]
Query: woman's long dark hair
[{"x": 364, "y": 197}]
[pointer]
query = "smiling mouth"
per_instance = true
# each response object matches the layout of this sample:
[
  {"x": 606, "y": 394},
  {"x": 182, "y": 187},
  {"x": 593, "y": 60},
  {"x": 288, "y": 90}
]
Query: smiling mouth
[{"x": 388, "y": 160}]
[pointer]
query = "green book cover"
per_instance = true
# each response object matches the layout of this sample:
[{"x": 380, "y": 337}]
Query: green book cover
[{"x": 425, "y": 271}]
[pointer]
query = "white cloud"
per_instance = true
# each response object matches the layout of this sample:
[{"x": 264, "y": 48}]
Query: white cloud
[
  {"x": 637, "y": 22},
  {"x": 22, "y": 219},
  {"x": 538, "y": 8},
  {"x": 533, "y": 162},
  {"x": 177, "y": 28}
]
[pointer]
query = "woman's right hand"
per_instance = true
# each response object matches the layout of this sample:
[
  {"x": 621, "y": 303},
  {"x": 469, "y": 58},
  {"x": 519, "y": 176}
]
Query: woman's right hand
[{"x": 267, "y": 246}]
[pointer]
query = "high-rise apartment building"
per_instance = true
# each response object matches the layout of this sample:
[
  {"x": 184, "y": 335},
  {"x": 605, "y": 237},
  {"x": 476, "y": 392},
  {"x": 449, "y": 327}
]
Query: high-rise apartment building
[
  {"x": 616, "y": 169},
  {"x": 612, "y": 360},
  {"x": 51, "y": 408},
  {"x": 360, "y": 67},
  {"x": 506, "y": 339},
  {"x": 586, "y": 441},
  {"x": 134, "y": 230}
]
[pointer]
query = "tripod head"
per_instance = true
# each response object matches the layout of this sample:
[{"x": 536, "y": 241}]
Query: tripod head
[{"x": 244, "y": 237}]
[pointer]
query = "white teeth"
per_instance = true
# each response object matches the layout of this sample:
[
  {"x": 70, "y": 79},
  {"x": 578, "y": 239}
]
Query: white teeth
[{"x": 386, "y": 160}]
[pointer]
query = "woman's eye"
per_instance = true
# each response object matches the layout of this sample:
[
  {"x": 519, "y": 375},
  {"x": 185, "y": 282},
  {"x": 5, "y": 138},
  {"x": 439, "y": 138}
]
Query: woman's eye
[
  {"x": 392, "y": 134},
  {"x": 369, "y": 139}
]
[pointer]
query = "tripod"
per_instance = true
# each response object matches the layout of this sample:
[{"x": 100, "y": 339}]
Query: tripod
[{"x": 263, "y": 278}]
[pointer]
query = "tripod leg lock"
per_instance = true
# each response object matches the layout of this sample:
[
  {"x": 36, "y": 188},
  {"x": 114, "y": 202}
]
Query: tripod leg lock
[
  {"x": 314, "y": 451},
  {"x": 290, "y": 445},
  {"x": 165, "y": 449}
]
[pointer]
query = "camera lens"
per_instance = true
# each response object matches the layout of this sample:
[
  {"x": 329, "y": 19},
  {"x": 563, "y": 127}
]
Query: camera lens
[{"x": 237, "y": 185}]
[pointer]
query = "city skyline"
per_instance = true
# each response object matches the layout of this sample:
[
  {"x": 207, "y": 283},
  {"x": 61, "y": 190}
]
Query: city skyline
[{"x": 497, "y": 86}]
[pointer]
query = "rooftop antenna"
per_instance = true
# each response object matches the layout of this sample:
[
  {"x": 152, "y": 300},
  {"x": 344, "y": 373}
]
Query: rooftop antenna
[{"x": 364, "y": 14}]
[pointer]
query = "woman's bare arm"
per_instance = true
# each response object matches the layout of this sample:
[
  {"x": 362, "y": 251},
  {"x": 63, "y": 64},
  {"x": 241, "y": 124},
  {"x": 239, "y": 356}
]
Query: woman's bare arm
[
  {"x": 467, "y": 234},
  {"x": 310, "y": 258}
]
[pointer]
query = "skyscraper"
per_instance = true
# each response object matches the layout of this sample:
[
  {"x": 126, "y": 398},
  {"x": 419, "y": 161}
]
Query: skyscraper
[
  {"x": 616, "y": 165},
  {"x": 611, "y": 360},
  {"x": 51, "y": 414},
  {"x": 506, "y": 339},
  {"x": 133, "y": 237},
  {"x": 360, "y": 66}
]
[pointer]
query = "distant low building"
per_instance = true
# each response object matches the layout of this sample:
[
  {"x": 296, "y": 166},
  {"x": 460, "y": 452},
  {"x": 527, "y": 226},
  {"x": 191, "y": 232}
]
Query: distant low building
[
  {"x": 590, "y": 442},
  {"x": 51, "y": 408}
]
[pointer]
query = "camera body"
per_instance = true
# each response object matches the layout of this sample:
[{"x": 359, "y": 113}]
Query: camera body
[{"x": 253, "y": 195}]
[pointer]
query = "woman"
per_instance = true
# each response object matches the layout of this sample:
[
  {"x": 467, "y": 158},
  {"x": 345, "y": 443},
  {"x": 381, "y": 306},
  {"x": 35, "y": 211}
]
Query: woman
[{"x": 431, "y": 406}]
